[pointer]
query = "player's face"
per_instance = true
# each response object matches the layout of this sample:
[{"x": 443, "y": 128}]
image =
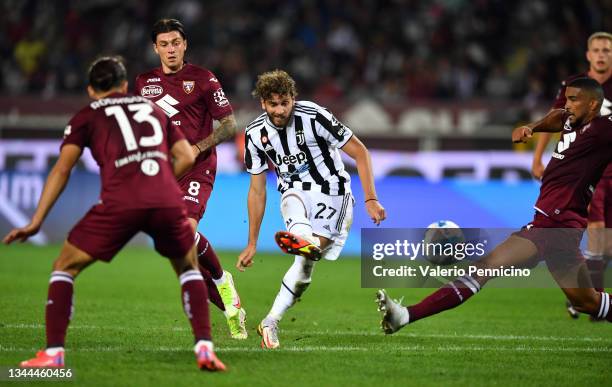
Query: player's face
[
  {"x": 279, "y": 108},
  {"x": 578, "y": 105},
  {"x": 170, "y": 46},
  {"x": 599, "y": 55}
]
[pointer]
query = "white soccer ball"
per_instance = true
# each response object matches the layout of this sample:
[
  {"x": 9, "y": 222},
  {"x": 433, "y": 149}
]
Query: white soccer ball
[{"x": 440, "y": 240}]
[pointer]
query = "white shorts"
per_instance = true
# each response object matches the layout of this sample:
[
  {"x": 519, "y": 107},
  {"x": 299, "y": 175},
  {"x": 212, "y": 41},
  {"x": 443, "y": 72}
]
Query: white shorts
[{"x": 330, "y": 217}]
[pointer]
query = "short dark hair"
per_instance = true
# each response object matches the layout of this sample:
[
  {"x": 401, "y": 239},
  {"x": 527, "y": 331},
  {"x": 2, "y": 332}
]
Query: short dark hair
[
  {"x": 167, "y": 25},
  {"x": 591, "y": 86},
  {"x": 106, "y": 73},
  {"x": 277, "y": 82}
]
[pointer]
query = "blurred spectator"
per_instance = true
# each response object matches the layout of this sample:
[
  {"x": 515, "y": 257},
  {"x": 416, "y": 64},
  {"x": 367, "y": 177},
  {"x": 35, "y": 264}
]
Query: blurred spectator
[{"x": 388, "y": 50}]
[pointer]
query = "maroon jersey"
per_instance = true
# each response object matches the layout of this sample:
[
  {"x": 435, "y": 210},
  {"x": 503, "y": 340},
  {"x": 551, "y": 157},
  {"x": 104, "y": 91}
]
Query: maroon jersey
[
  {"x": 129, "y": 138},
  {"x": 606, "y": 106},
  {"x": 191, "y": 98},
  {"x": 577, "y": 164}
]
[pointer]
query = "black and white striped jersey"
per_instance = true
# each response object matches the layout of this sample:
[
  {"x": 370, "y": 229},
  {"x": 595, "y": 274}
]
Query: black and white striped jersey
[{"x": 304, "y": 154}]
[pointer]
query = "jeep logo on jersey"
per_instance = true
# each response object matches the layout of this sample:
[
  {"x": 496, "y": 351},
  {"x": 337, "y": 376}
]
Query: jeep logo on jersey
[
  {"x": 188, "y": 86},
  {"x": 290, "y": 159},
  {"x": 151, "y": 91}
]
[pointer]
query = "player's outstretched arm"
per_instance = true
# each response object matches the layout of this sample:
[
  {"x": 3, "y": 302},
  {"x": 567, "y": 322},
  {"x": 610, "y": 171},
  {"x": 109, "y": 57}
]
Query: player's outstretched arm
[
  {"x": 225, "y": 130},
  {"x": 183, "y": 157},
  {"x": 256, "y": 202},
  {"x": 358, "y": 152},
  {"x": 56, "y": 181},
  {"x": 552, "y": 122}
]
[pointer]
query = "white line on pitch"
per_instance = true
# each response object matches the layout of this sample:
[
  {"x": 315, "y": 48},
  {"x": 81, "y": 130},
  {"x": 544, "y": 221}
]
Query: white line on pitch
[
  {"x": 339, "y": 333},
  {"x": 324, "y": 348},
  {"x": 448, "y": 336}
]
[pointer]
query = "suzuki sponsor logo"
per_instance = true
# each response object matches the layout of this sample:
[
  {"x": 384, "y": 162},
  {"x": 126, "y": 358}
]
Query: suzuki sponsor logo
[
  {"x": 153, "y": 80},
  {"x": 151, "y": 91},
  {"x": 290, "y": 159}
]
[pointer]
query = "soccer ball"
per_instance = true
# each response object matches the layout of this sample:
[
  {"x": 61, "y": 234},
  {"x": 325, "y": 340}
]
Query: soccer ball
[{"x": 440, "y": 240}]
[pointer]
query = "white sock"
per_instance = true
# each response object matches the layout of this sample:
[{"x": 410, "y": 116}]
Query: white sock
[
  {"x": 404, "y": 316},
  {"x": 294, "y": 284},
  {"x": 283, "y": 301},
  {"x": 221, "y": 280},
  {"x": 295, "y": 216},
  {"x": 207, "y": 343},
  {"x": 52, "y": 351}
]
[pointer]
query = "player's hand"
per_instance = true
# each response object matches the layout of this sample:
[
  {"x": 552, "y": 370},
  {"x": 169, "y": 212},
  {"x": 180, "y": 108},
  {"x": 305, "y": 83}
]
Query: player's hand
[
  {"x": 22, "y": 234},
  {"x": 537, "y": 169},
  {"x": 196, "y": 150},
  {"x": 245, "y": 259},
  {"x": 376, "y": 211},
  {"x": 522, "y": 134}
]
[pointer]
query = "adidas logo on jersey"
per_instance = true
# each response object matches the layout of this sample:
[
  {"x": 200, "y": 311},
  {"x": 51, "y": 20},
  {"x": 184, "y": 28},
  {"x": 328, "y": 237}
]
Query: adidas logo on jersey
[{"x": 290, "y": 159}]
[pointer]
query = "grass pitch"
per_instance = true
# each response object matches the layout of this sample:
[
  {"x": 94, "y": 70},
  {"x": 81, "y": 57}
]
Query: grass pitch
[{"x": 129, "y": 329}]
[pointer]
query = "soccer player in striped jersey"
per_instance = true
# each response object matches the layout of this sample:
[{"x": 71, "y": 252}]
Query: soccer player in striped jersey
[{"x": 302, "y": 140}]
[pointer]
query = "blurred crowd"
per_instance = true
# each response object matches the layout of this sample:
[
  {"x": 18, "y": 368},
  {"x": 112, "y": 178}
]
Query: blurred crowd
[{"x": 388, "y": 50}]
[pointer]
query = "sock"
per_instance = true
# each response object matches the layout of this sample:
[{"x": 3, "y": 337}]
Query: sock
[
  {"x": 206, "y": 343},
  {"x": 52, "y": 351},
  {"x": 213, "y": 292},
  {"x": 605, "y": 307},
  {"x": 295, "y": 216},
  {"x": 294, "y": 284},
  {"x": 595, "y": 264},
  {"x": 194, "y": 302},
  {"x": 220, "y": 280},
  {"x": 58, "y": 311},
  {"x": 447, "y": 297},
  {"x": 207, "y": 256}
]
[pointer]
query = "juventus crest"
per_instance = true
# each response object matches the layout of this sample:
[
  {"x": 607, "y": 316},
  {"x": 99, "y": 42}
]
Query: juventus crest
[{"x": 300, "y": 136}]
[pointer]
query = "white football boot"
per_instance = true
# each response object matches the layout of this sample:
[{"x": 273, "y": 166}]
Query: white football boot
[
  {"x": 268, "y": 330},
  {"x": 395, "y": 316}
]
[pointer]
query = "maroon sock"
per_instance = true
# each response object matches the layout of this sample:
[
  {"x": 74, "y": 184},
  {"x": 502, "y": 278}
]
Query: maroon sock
[
  {"x": 213, "y": 292},
  {"x": 447, "y": 297},
  {"x": 59, "y": 308},
  {"x": 195, "y": 303},
  {"x": 596, "y": 270},
  {"x": 207, "y": 256}
]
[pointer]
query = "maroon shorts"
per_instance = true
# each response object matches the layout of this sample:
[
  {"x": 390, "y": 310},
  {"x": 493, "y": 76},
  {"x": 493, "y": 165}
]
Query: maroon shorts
[
  {"x": 557, "y": 244},
  {"x": 600, "y": 209},
  {"x": 102, "y": 232},
  {"x": 197, "y": 186}
]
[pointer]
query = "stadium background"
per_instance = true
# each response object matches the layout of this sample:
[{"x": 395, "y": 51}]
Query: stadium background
[{"x": 432, "y": 87}]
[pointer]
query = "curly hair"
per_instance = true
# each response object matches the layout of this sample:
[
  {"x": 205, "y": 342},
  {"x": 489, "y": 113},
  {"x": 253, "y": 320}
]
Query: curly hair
[{"x": 277, "y": 82}]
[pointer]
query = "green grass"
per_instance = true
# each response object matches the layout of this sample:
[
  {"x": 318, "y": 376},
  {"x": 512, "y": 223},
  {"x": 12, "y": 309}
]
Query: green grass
[{"x": 129, "y": 329}]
